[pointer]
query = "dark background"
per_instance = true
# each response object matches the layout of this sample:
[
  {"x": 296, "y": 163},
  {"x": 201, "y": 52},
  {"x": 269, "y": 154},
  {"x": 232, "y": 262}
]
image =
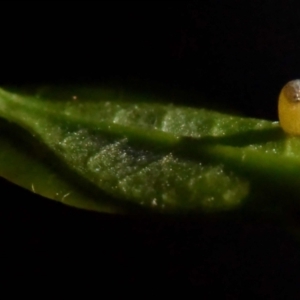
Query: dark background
[
  {"x": 237, "y": 54},
  {"x": 233, "y": 52}
]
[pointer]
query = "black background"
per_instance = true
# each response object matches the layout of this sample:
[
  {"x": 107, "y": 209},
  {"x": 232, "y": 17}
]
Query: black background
[{"x": 235, "y": 53}]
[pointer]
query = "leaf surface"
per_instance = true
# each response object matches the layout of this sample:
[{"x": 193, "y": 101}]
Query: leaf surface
[{"x": 114, "y": 152}]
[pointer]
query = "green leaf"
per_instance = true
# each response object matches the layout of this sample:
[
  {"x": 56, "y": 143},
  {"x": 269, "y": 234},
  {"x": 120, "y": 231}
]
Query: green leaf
[{"x": 115, "y": 152}]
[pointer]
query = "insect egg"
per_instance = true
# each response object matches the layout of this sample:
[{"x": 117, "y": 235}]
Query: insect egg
[{"x": 289, "y": 107}]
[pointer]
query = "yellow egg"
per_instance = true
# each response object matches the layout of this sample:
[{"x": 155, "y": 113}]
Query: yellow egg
[{"x": 289, "y": 107}]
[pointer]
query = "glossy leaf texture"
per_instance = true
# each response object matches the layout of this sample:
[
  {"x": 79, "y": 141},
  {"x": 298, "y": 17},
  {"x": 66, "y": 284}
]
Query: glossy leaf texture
[{"x": 115, "y": 152}]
